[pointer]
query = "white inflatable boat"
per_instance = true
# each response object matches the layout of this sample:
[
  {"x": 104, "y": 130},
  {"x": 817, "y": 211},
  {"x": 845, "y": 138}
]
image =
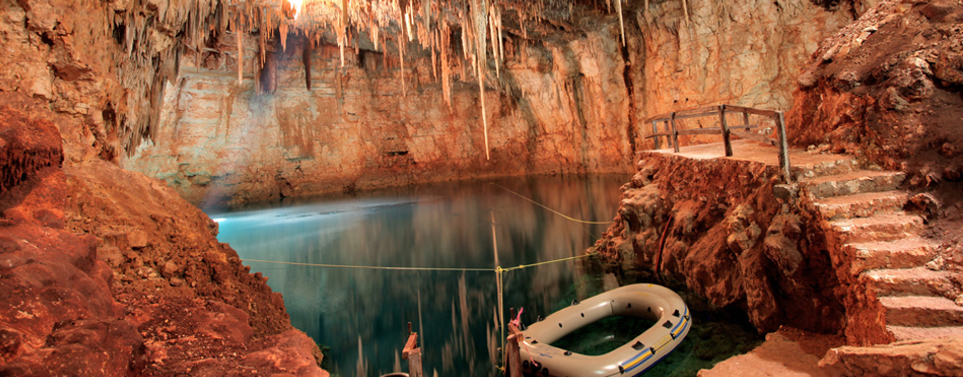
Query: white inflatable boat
[{"x": 649, "y": 301}]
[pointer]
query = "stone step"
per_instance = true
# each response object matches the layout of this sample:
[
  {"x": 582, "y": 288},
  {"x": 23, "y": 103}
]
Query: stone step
[
  {"x": 861, "y": 205},
  {"x": 902, "y": 253},
  {"x": 855, "y": 182},
  {"x": 917, "y": 281},
  {"x": 921, "y": 311},
  {"x": 904, "y": 333},
  {"x": 890, "y": 227},
  {"x": 843, "y": 164}
]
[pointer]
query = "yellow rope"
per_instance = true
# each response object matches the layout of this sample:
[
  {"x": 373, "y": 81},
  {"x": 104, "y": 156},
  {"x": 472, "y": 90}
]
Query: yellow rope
[
  {"x": 373, "y": 267},
  {"x": 552, "y": 210},
  {"x": 524, "y": 266},
  {"x": 496, "y": 269}
]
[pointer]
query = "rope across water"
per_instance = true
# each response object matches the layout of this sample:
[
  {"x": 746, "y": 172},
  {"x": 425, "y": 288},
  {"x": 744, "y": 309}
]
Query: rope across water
[
  {"x": 390, "y": 268},
  {"x": 590, "y": 222}
]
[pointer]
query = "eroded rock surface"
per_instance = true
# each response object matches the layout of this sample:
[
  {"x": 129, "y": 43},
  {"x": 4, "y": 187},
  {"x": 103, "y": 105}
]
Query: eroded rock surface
[
  {"x": 887, "y": 88},
  {"x": 936, "y": 357},
  {"x": 729, "y": 239},
  {"x": 94, "y": 281}
]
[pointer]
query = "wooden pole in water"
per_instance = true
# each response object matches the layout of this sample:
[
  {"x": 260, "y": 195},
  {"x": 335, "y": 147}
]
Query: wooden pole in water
[
  {"x": 498, "y": 284},
  {"x": 513, "y": 357},
  {"x": 412, "y": 353}
]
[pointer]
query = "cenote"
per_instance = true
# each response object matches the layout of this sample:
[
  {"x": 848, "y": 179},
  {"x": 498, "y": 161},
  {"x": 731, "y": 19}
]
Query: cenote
[{"x": 362, "y": 314}]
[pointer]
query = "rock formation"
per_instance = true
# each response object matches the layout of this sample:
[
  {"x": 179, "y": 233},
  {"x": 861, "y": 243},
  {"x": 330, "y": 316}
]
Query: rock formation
[
  {"x": 564, "y": 97},
  {"x": 728, "y": 239},
  {"x": 98, "y": 282}
]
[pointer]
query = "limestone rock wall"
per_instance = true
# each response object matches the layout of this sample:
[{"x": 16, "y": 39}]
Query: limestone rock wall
[
  {"x": 747, "y": 53},
  {"x": 566, "y": 99},
  {"x": 358, "y": 128}
]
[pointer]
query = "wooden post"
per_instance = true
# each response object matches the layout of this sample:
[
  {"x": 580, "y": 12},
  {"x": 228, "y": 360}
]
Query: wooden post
[
  {"x": 668, "y": 138},
  {"x": 414, "y": 363},
  {"x": 783, "y": 147},
  {"x": 745, "y": 119},
  {"x": 412, "y": 353},
  {"x": 675, "y": 134},
  {"x": 655, "y": 130},
  {"x": 513, "y": 356},
  {"x": 725, "y": 130}
]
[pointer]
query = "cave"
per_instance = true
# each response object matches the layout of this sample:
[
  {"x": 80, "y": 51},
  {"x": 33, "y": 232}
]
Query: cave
[{"x": 793, "y": 167}]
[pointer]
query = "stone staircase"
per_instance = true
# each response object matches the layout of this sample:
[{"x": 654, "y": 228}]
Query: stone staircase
[{"x": 865, "y": 210}]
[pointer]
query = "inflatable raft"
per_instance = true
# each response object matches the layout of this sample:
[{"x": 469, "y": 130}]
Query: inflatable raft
[{"x": 649, "y": 301}]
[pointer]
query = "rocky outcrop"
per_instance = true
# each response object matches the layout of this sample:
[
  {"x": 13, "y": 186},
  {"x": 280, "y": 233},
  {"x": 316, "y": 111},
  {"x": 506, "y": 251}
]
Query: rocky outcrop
[
  {"x": 94, "y": 282},
  {"x": 727, "y": 239},
  {"x": 57, "y": 314},
  {"x": 886, "y": 89}
]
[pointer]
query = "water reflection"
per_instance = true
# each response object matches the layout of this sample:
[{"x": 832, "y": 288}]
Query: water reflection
[{"x": 362, "y": 314}]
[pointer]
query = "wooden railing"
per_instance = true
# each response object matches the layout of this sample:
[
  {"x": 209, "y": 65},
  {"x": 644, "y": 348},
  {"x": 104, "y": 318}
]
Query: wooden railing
[{"x": 672, "y": 132}]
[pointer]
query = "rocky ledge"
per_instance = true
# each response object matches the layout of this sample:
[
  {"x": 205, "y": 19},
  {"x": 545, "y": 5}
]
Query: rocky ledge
[{"x": 110, "y": 273}]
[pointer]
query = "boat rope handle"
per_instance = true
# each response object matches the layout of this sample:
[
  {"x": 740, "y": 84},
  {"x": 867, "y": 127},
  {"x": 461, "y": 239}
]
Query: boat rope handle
[{"x": 554, "y": 211}]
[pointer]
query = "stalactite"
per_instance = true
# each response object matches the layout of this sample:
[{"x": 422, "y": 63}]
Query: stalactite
[
  {"x": 434, "y": 56},
  {"x": 464, "y": 41},
  {"x": 401, "y": 51},
  {"x": 341, "y": 43},
  {"x": 240, "y": 54},
  {"x": 481, "y": 90},
  {"x": 618, "y": 8},
  {"x": 685, "y": 11},
  {"x": 493, "y": 32},
  {"x": 480, "y": 18},
  {"x": 339, "y": 89},
  {"x": 374, "y": 35},
  {"x": 426, "y": 14},
  {"x": 408, "y": 24},
  {"x": 306, "y": 60},
  {"x": 445, "y": 68},
  {"x": 283, "y": 31},
  {"x": 501, "y": 36}
]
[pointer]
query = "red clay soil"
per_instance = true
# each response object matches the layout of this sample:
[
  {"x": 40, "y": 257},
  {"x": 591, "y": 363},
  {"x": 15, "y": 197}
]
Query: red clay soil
[{"x": 107, "y": 272}]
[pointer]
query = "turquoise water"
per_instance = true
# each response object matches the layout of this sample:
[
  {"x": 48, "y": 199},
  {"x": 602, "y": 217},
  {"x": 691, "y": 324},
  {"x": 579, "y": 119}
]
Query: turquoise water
[{"x": 362, "y": 314}]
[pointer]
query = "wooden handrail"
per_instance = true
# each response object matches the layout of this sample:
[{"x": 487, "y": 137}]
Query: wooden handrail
[{"x": 672, "y": 132}]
